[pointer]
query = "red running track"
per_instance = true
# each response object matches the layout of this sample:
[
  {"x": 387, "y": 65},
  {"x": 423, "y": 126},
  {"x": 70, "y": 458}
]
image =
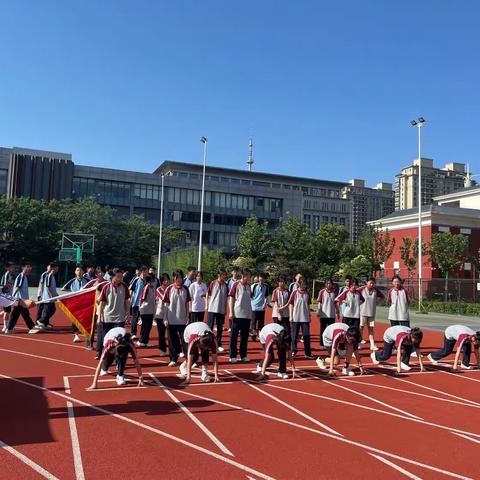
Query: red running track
[{"x": 377, "y": 426}]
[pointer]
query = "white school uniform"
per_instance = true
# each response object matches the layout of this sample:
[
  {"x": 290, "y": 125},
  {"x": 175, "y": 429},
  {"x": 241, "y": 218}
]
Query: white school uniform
[
  {"x": 399, "y": 301},
  {"x": 326, "y": 304}
]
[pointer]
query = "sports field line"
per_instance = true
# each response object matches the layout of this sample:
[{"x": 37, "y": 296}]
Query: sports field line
[
  {"x": 290, "y": 407},
  {"x": 460, "y": 375},
  {"x": 466, "y": 437},
  {"x": 396, "y": 467},
  {"x": 144, "y": 426},
  {"x": 371, "y": 399},
  {"x": 34, "y": 466},
  {"x": 192, "y": 417}
]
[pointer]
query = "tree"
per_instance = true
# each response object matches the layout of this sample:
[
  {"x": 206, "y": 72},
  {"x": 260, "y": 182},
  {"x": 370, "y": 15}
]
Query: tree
[
  {"x": 172, "y": 238},
  {"x": 448, "y": 252},
  {"x": 360, "y": 266},
  {"x": 255, "y": 241},
  {"x": 376, "y": 246},
  {"x": 409, "y": 256}
]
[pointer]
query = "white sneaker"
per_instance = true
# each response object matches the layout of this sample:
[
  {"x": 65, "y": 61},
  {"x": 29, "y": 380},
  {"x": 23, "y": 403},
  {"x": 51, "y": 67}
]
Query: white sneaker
[
  {"x": 120, "y": 380},
  {"x": 182, "y": 355},
  {"x": 49, "y": 327},
  {"x": 414, "y": 354},
  {"x": 232, "y": 360},
  {"x": 373, "y": 347},
  {"x": 221, "y": 349},
  {"x": 374, "y": 359},
  {"x": 8, "y": 332},
  {"x": 205, "y": 376},
  {"x": 363, "y": 341},
  {"x": 183, "y": 368},
  {"x": 40, "y": 325},
  {"x": 76, "y": 338},
  {"x": 162, "y": 353},
  {"x": 33, "y": 330},
  {"x": 258, "y": 369},
  {"x": 194, "y": 365},
  {"x": 4, "y": 328},
  {"x": 394, "y": 351},
  {"x": 466, "y": 367},
  {"x": 405, "y": 367},
  {"x": 140, "y": 344},
  {"x": 103, "y": 372},
  {"x": 348, "y": 372},
  {"x": 321, "y": 363},
  {"x": 133, "y": 337},
  {"x": 431, "y": 360},
  {"x": 245, "y": 359},
  {"x": 172, "y": 364},
  {"x": 282, "y": 375}
]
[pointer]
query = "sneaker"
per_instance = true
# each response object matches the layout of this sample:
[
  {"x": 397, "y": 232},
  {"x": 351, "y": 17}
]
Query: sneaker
[
  {"x": 76, "y": 338},
  {"x": 245, "y": 359},
  {"x": 394, "y": 351},
  {"x": 33, "y": 330},
  {"x": 40, "y": 325},
  {"x": 374, "y": 358},
  {"x": 282, "y": 375},
  {"x": 430, "y": 359},
  {"x": 347, "y": 371},
  {"x": 373, "y": 347},
  {"x": 140, "y": 344},
  {"x": 133, "y": 337},
  {"x": 321, "y": 363},
  {"x": 405, "y": 367},
  {"x": 103, "y": 372},
  {"x": 162, "y": 353},
  {"x": 232, "y": 360},
  {"x": 97, "y": 357},
  {"x": 139, "y": 322},
  {"x": 294, "y": 354},
  {"x": 414, "y": 354},
  {"x": 48, "y": 327},
  {"x": 88, "y": 346},
  {"x": 466, "y": 367},
  {"x": 183, "y": 368},
  {"x": 172, "y": 364},
  {"x": 220, "y": 349},
  {"x": 258, "y": 369},
  {"x": 301, "y": 340},
  {"x": 363, "y": 342},
  {"x": 194, "y": 365},
  {"x": 182, "y": 355},
  {"x": 120, "y": 380},
  {"x": 4, "y": 328},
  {"x": 8, "y": 332},
  {"x": 205, "y": 376},
  {"x": 309, "y": 357}
]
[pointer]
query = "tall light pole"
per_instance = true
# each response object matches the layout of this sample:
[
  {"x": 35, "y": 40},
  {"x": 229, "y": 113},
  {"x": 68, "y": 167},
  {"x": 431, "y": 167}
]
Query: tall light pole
[
  {"x": 204, "y": 140},
  {"x": 160, "y": 232},
  {"x": 419, "y": 124}
]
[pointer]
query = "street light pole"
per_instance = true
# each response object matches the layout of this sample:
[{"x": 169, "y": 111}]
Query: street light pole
[
  {"x": 204, "y": 140},
  {"x": 160, "y": 233}
]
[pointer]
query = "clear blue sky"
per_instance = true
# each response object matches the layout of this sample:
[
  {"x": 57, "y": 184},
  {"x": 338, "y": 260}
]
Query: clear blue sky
[{"x": 327, "y": 88}]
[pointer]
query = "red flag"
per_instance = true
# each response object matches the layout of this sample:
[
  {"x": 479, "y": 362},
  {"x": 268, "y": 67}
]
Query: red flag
[{"x": 80, "y": 309}]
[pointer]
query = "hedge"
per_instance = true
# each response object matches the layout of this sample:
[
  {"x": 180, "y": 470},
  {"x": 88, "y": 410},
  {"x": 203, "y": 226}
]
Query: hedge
[{"x": 437, "y": 306}]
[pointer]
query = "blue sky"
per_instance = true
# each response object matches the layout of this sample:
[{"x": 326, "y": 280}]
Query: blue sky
[{"x": 327, "y": 88}]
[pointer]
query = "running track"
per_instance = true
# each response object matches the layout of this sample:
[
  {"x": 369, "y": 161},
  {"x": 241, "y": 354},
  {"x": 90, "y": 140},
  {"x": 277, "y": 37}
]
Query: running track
[{"x": 418, "y": 426}]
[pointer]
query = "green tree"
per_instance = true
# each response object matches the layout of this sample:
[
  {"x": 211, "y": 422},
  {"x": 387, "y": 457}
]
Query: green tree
[
  {"x": 255, "y": 241},
  {"x": 376, "y": 246},
  {"x": 172, "y": 238},
  {"x": 358, "y": 267},
  {"x": 448, "y": 252}
]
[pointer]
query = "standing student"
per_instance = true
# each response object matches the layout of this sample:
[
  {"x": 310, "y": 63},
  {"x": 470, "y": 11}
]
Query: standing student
[
  {"x": 147, "y": 310},
  {"x": 350, "y": 300},
  {"x": 7, "y": 281},
  {"x": 462, "y": 337},
  {"x": 240, "y": 315},
  {"x": 198, "y": 337},
  {"x": 47, "y": 290},
  {"x": 156, "y": 281},
  {"x": 137, "y": 289},
  {"x": 89, "y": 275},
  {"x": 175, "y": 315},
  {"x": 280, "y": 298},
  {"x": 346, "y": 286},
  {"x": 276, "y": 336},
  {"x": 161, "y": 328},
  {"x": 235, "y": 276},
  {"x": 198, "y": 292},
  {"x": 217, "y": 300},
  {"x": 259, "y": 302},
  {"x": 295, "y": 284},
  {"x": 299, "y": 305},
  {"x": 399, "y": 301},
  {"x": 75, "y": 285},
  {"x": 371, "y": 296},
  {"x": 405, "y": 340},
  {"x": 327, "y": 308},
  {"x": 114, "y": 303},
  {"x": 191, "y": 274},
  {"x": 340, "y": 340},
  {"x": 20, "y": 292}
]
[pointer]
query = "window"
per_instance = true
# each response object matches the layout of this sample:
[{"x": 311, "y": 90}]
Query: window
[
  {"x": 324, "y": 219},
  {"x": 259, "y": 202},
  {"x": 342, "y": 221},
  {"x": 307, "y": 219}
]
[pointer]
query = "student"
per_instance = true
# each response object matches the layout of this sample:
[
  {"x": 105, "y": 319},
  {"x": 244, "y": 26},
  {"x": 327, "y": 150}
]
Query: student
[
  {"x": 327, "y": 308},
  {"x": 217, "y": 300},
  {"x": 89, "y": 274},
  {"x": 99, "y": 281},
  {"x": 404, "y": 339},
  {"x": 299, "y": 306},
  {"x": 7, "y": 281},
  {"x": 160, "y": 293},
  {"x": 75, "y": 285},
  {"x": 175, "y": 315},
  {"x": 117, "y": 344},
  {"x": 280, "y": 298},
  {"x": 190, "y": 278},
  {"x": 9, "y": 301},
  {"x": 147, "y": 310},
  {"x": 198, "y": 292},
  {"x": 464, "y": 339},
  {"x": 114, "y": 303},
  {"x": 275, "y": 335},
  {"x": 20, "y": 292},
  {"x": 153, "y": 272},
  {"x": 47, "y": 290},
  {"x": 352, "y": 300},
  {"x": 346, "y": 287},
  {"x": 108, "y": 273},
  {"x": 399, "y": 300},
  {"x": 259, "y": 301},
  {"x": 137, "y": 287},
  {"x": 340, "y": 340},
  {"x": 235, "y": 276},
  {"x": 200, "y": 341},
  {"x": 371, "y": 296},
  {"x": 240, "y": 315},
  {"x": 294, "y": 285}
]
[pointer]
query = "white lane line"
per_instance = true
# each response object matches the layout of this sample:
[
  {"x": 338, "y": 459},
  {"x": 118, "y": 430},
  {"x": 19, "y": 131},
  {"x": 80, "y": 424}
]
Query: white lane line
[
  {"x": 374, "y": 400},
  {"x": 77, "y": 454},
  {"x": 460, "y": 375},
  {"x": 192, "y": 417},
  {"x": 290, "y": 407},
  {"x": 396, "y": 467},
  {"x": 66, "y": 384},
  {"x": 466, "y": 437},
  {"x": 144, "y": 426},
  {"x": 34, "y": 466}
]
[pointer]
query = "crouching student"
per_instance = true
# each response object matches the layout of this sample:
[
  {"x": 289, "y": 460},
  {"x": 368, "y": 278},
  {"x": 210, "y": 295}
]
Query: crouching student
[
  {"x": 200, "y": 343},
  {"x": 464, "y": 339},
  {"x": 271, "y": 336},
  {"x": 340, "y": 340},
  {"x": 117, "y": 344},
  {"x": 405, "y": 340}
]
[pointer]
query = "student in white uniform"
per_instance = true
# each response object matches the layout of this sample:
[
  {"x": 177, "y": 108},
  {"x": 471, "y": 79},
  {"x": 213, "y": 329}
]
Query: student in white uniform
[
  {"x": 462, "y": 337},
  {"x": 198, "y": 337},
  {"x": 349, "y": 302},
  {"x": 399, "y": 301},
  {"x": 198, "y": 292},
  {"x": 217, "y": 301},
  {"x": 280, "y": 298},
  {"x": 404, "y": 339},
  {"x": 327, "y": 308},
  {"x": 340, "y": 340},
  {"x": 276, "y": 336},
  {"x": 368, "y": 309}
]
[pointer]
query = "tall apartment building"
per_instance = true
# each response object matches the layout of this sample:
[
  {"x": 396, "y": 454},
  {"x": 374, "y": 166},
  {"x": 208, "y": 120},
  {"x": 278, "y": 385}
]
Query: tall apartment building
[
  {"x": 367, "y": 204},
  {"x": 435, "y": 182}
]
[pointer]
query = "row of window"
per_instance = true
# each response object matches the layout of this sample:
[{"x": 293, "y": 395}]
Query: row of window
[
  {"x": 325, "y": 206},
  {"x": 314, "y": 221}
]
